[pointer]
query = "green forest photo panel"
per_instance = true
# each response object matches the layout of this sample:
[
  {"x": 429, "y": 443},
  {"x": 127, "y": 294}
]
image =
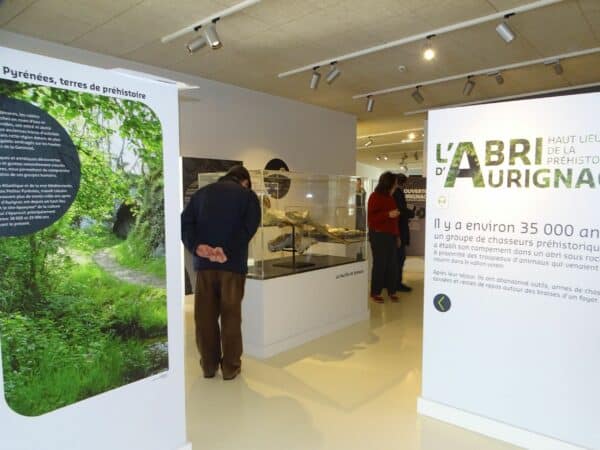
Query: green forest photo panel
[{"x": 83, "y": 306}]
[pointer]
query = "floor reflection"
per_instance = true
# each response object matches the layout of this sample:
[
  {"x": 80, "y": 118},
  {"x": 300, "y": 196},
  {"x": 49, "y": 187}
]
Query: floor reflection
[{"x": 354, "y": 389}]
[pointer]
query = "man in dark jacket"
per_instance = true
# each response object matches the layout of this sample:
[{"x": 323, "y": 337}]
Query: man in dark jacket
[
  {"x": 405, "y": 215},
  {"x": 216, "y": 227},
  {"x": 361, "y": 210}
]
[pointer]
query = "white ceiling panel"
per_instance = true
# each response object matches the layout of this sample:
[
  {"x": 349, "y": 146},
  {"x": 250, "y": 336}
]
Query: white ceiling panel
[
  {"x": 274, "y": 36},
  {"x": 12, "y": 8},
  {"x": 45, "y": 19},
  {"x": 591, "y": 11}
]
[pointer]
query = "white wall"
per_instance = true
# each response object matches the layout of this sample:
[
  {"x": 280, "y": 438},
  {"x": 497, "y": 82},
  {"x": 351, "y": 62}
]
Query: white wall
[
  {"x": 368, "y": 172},
  {"x": 223, "y": 121},
  {"x": 231, "y": 123}
]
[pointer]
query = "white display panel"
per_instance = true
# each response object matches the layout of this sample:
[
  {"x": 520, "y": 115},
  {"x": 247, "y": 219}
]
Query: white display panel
[
  {"x": 142, "y": 412},
  {"x": 512, "y": 291}
]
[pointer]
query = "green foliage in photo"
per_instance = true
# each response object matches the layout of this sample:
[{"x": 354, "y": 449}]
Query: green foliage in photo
[
  {"x": 128, "y": 254},
  {"x": 69, "y": 328}
]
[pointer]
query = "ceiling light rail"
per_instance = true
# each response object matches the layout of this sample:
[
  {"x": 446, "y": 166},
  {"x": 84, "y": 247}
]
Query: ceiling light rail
[
  {"x": 507, "y": 97},
  {"x": 550, "y": 60},
  {"x": 423, "y": 36},
  {"x": 389, "y": 133},
  {"x": 390, "y": 144},
  {"x": 208, "y": 20}
]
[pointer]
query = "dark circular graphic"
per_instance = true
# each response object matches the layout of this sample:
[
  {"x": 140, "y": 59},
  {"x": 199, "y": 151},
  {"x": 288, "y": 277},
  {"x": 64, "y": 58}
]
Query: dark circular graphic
[
  {"x": 442, "y": 302},
  {"x": 277, "y": 184},
  {"x": 40, "y": 169},
  {"x": 277, "y": 164}
]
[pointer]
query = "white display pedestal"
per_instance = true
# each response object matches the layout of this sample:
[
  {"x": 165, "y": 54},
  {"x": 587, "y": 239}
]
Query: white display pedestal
[
  {"x": 284, "y": 312},
  {"x": 491, "y": 428}
]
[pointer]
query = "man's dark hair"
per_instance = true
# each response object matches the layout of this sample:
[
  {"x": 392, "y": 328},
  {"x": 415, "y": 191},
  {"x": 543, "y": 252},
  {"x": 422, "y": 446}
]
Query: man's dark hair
[
  {"x": 401, "y": 178},
  {"x": 386, "y": 183},
  {"x": 239, "y": 174}
]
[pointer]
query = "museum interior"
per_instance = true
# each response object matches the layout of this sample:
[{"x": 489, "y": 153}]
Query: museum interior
[{"x": 479, "y": 103}]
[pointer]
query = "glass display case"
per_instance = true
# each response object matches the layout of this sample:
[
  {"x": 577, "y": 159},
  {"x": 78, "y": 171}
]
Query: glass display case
[{"x": 309, "y": 222}]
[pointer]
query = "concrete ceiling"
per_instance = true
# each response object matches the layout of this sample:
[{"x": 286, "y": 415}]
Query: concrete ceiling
[{"x": 278, "y": 35}]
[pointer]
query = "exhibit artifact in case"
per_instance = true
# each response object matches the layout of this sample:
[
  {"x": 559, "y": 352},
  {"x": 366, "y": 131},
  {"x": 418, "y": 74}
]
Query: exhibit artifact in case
[{"x": 309, "y": 222}]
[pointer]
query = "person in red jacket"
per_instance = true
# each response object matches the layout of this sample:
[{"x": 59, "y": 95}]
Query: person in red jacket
[{"x": 382, "y": 218}]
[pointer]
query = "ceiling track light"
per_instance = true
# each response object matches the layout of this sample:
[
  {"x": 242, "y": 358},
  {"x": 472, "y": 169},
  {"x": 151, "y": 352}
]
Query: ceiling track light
[
  {"x": 315, "y": 78},
  {"x": 378, "y": 158},
  {"x": 469, "y": 85},
  {"x": 556, "y": 65},
  {"x": 211, "y": 35},
  {"x": 412, "y": 136},
  {"x": 504, "y": 30},
  {"x": 385, "y": 157},
  {"x": 196, "y": 44},
  {"x": 333, "y": 73},
  {"x": 370, "y": 103},
  {"x": 498, "y": 76},
  {"x": 417, "y": 96},
  {"x": 428, "y": 50},
  {"x": 369, "y": 142},
  {"x": 558, "y": 68}
]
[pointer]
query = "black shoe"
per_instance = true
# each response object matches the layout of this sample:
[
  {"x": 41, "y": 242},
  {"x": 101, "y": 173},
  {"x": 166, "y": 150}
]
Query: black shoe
[
  {"x": 232, "y": 375},
  {"x": 208, "y": 373},
  {"x": 404, "y": 288}
]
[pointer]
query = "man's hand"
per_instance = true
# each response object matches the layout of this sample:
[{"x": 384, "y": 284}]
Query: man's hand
[
  {"x": 203, "y": 251},
  {"x": 218, "y": 255},
  {"x": 393, "y": 213},
  {"x": 214, "y": 254}
]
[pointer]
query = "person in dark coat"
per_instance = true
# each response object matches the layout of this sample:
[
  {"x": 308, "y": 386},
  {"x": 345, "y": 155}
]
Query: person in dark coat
[
  {"x": 217, "y": 226},
  {"x": 382, "y": 217},
  {"x": 405, "y": 216},
  {"x": 361, "y": 210}
]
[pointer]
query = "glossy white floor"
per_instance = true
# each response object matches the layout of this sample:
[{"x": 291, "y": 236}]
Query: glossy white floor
[{"x": 354, "y": 389}]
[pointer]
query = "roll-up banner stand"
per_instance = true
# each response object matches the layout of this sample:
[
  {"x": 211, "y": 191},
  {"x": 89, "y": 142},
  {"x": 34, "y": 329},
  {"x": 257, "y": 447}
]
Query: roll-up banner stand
[
  {"x": 512, "y": 293},
  {"x": 91, "y": 322}
]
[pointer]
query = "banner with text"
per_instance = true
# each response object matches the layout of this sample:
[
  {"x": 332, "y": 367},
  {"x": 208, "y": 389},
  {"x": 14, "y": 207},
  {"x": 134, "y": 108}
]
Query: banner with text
[
  {"x": 512, "y": 291},
  {"x": 415, "y": 191},
  {"x": 90, "y": 325}
]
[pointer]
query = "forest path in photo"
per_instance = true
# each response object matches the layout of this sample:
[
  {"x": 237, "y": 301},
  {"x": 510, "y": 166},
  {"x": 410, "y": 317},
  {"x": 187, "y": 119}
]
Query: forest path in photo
[{"x": 108, "y": 262}]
